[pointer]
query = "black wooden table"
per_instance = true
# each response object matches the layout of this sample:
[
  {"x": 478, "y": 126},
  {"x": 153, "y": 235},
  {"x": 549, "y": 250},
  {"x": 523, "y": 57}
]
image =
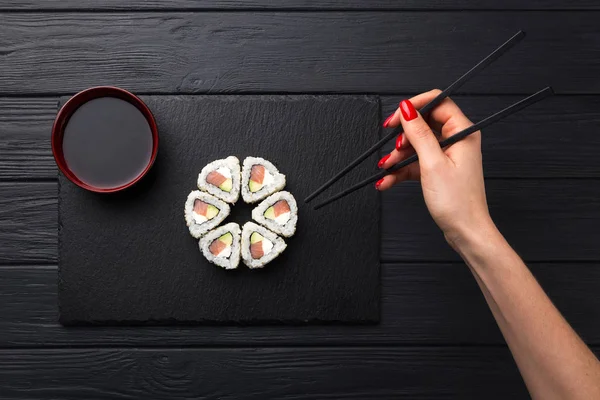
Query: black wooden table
[{"x": 437, "y": 337}]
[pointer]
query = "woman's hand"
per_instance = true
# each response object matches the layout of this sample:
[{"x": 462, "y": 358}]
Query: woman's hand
[
  {"x": 553, "y": 360},
  {"x": 452, "y": 179}
]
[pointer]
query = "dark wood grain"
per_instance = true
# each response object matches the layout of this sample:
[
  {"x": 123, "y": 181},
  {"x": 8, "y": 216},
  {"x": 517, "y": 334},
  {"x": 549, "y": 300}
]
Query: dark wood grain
[
  {"x": 298, "y": 4},
  {"x": 543, "y": 220},
  {"x": 262, "y": 373},
  {"x": 25, "y": 126},
  {"x": 189, "y": 46},
  {"x": 391, "y": 52},
  {"x": 548, "y": 220},
  {"x": 421, "y": 304},
  {"x": 554, "y": 139},
  {"x": 28, "y": 227}
]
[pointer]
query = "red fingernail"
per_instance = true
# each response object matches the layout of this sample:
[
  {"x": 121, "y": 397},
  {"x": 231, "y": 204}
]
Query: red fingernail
[
  {"x": 399, "y": 141},
  {"x": 387, "y": 121},
  {"x": 383, "y": 160},
  {"x": 379, "y": 182},
  {"x": 408, "y": 111}
]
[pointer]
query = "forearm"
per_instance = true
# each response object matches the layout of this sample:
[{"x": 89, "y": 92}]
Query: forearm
[{"x": 553, "y": 360}]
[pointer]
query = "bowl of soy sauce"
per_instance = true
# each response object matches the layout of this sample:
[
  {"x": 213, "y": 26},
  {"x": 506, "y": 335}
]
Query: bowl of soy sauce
[{"x": 104, "y": 139}]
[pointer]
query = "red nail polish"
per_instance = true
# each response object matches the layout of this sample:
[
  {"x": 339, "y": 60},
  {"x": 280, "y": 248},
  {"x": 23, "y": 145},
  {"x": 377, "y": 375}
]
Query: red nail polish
[
  {"x": 399, "y": 141},
  {"x": 408, "y": 111},
  {"x": 383, "y": 160},
  {"x": 379, "y": 182},
  {"x": 387, "y": 121}
]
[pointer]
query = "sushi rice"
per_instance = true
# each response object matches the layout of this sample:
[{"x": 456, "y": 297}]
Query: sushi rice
[
  {"x": 227, "y": 169},
  {"x": 273, "y": 180},
  {"x": 272, "y": 245},
  {"x": 221, "y": 182},
  {"x": 216, "y": 211},
  {"x": 229, "y": 257},
  {"x": 284, "y": 224}
]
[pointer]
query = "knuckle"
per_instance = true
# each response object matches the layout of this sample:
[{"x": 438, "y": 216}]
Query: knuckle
[{"x": 421, "y": 131}]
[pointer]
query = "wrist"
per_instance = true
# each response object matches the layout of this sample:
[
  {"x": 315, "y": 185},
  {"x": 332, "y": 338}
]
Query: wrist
[{"x": 475, "y": 241}]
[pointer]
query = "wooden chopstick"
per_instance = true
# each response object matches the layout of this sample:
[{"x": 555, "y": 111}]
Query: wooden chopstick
[
  {"x": 518, "y": 106},
  {"x": 493, "y": 56}
]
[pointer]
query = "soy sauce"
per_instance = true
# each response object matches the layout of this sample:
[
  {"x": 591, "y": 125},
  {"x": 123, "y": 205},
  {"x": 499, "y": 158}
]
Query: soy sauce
[{"x": 107, "y": 142}]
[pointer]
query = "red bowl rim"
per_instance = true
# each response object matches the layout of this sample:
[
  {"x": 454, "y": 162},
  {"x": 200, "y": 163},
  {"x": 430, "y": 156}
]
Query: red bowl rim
[{"x": 67, "y": 110}]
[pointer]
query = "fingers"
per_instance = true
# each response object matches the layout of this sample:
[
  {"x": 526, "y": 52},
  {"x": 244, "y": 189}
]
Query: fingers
[
  {"x": 402, "y": 145},
  {"x": 420, "y": 135},
  {"x": 408, "y": 173},
  {"x": 452, "y": 120},
  {"x": 396, "y": 156},
  {"x": 449, "y": 117},
  {"x": 418, "y": 101},
  {"x": 393, "y": 120}
]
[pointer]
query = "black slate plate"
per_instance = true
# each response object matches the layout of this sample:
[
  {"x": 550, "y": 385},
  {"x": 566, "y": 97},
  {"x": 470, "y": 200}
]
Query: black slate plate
[{"x": 128, "y": 258}]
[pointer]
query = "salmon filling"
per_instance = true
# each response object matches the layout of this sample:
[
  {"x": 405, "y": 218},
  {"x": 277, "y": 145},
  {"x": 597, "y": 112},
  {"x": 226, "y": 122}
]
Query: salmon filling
[
  {"x": 204, "y": 211},
  {"x": 200, "y": 207},
  {"x": 256, "y": 250},
  {"x": 215, "y": 178},
  {"x": 221, "y": 247},
  {"x": 221, "y": 178},
  {"x": 279, "y": 212},
  {"x": 259, "y": 177},
  {"x": 259, "y": 246}
]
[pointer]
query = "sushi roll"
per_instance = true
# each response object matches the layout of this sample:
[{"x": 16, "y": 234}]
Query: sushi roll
[
  {"x": 203, "y": 212},
  {"x": 221, "y": 246},
  {"x": 259, "y": 245},
  {"x": 221, "y": 178},
  {"x": 260, "y": 179},
  {"x": 278, "y": 212}
]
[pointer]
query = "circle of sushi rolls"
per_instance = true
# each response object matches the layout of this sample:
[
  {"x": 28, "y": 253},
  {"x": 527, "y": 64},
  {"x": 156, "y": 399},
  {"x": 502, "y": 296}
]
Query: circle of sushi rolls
[
  {"x": 260, "y": 179},
  {"x": 203, "y": 212},
  {"x": 221, "y": 246},
  {"x": 259, "y": 245},
  {"x": 278, "y": 212},
  {"x": 221, "y": 178}
]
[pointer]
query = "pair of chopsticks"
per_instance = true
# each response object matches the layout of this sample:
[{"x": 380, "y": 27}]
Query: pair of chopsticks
[{"x": 426, "y": 109}]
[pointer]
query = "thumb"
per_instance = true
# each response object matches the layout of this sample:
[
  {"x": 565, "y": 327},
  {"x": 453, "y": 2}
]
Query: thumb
[{"x": 419, "y": 134}]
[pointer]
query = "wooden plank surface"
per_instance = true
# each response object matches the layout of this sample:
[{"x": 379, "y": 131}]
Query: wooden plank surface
[
  {"x": 347, "y": 5},
  {"x": 421, "y": 304},
  {"x": 547, "y": 220},
  {"x": 189, "y": 46},
  {"x": 261, "y": 373},
  {"x": 550, "y": 220},
  {"x": 28, "y": 227},
  {"x": 554, "y": 139},
  {"x": 25, "y": 126},
  {"x": 211, "y": 52}
]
